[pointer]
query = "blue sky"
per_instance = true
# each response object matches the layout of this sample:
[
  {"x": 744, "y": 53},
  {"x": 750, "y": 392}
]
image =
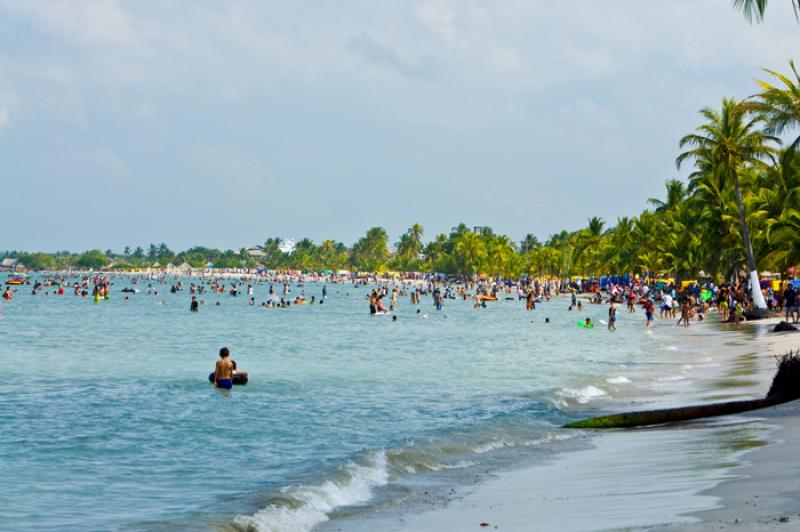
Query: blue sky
[{"x": 224, "y": 123}]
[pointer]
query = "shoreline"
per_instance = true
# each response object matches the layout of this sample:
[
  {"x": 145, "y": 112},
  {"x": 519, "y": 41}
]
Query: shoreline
[
  {"x": 762, "y": 493},
  {"x": 601, "y": 488}
]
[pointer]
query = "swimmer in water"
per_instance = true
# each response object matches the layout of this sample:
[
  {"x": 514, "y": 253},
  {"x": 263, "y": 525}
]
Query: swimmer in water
[
  {"x": 223, "y": 372},
  {"x": 193, "y": 306},
  {"x": 588, "y": 323}
]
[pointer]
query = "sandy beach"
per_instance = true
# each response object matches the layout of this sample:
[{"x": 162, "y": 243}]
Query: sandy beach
[{"x": 738, "y": 471}]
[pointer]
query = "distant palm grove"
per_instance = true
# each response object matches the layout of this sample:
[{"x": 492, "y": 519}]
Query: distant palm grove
[{"x": 738, "y": 208}]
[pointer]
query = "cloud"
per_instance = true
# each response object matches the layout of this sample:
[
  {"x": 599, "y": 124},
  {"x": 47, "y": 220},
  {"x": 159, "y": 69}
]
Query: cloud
[
  {"x": 445, "y": 96},
  {"x": 93, "y": 22},
  {"x": 375, "y": 52}
]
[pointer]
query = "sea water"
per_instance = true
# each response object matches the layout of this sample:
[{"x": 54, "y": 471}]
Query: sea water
[{"x": 109, "y": 421}]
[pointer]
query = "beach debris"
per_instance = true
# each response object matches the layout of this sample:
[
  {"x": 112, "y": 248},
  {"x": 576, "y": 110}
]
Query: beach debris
[
  {"x": 785, "y": 387},
  {"x": 784, "y": 326}
]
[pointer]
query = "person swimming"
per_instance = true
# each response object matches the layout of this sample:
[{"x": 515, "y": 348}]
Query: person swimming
[{"x": 223, "y": 372}]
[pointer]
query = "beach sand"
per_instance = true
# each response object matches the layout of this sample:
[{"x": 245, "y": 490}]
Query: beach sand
[{"x": 737, "y": 472}]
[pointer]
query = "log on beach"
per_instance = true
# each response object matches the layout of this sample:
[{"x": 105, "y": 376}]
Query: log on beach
[{"x": 785, "y": 387}]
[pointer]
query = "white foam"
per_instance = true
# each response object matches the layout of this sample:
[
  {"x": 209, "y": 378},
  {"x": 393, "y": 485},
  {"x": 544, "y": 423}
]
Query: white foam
[
  {"x": 671, "y": 378},
  {"x": 618, "y": 380},
  {"x": 584, "y": 395},
  {"x": 315, "y": 502},
  {"x": 500, "y": 443}
]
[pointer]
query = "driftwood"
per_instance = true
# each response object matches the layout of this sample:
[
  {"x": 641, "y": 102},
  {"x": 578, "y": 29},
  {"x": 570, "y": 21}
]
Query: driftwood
[{"x": 785, "y": 387}]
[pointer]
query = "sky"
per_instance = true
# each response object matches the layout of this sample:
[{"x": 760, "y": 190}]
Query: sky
[{"x": 223, "y": 123}]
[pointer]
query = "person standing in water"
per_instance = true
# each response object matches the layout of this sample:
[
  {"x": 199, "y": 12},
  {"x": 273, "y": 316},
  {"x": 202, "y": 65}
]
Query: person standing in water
[
  {"x": 612, "y": 316},
  {"x": 194, "y": 307},
  {"x": 223, "y": 372}
]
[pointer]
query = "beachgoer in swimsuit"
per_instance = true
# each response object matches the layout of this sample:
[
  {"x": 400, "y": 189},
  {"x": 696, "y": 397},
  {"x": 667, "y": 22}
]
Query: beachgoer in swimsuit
[{"x": 223, "y": 373}]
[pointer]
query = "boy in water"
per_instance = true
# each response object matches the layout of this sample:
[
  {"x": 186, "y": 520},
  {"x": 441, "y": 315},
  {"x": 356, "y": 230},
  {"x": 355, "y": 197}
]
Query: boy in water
[{"x": 223, "y": 373}]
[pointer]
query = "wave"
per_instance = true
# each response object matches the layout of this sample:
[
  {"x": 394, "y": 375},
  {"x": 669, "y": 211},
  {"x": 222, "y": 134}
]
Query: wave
[
  {"x": 301, "y": 508},
  {"x": 583, "y": 395},
  {"x": 618, "y": 380}
]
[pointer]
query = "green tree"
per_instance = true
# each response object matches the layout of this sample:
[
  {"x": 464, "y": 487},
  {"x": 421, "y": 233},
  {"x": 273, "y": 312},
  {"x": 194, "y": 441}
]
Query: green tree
[
  {"x": 371, "y": 252},
  {"x": 676, "y": 193},
  {"x": 38, "y": 261},
  {"x": 727, "y": 141},
  {"x": 780, "y": 105},
  {"x": 470, "y": 251},
  {"x": 92, "y": 260},
  {"x": 528, "y": 243}
]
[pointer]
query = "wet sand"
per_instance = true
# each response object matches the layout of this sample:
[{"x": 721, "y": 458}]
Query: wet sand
[{"x": 736, "y": 472}]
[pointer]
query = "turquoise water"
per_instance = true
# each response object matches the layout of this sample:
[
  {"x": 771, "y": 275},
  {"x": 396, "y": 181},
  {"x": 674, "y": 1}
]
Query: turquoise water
[{"x": 110, "y": 422}]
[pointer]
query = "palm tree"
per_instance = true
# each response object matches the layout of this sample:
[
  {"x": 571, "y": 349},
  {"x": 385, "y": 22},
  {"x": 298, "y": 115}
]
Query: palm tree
[
  {"x": 435, "y": 251},
  {"x": 410, "y": 244},
  {"x": 528, "y": 243},
  {"x": 780, "y": 200},
  {"x": 676, "y": 192},
  {"x": 371, "y": 252},
  {"x": 728, "y": 141},
  {"x": 754, "y": 9},
  {"x": 780, "y": 106},
  {"x": 587, "y": 247},
  {"x": 470, "y": 251},
  {"x": 500, "y": 252},
  {"x": 415, "y": 233}
]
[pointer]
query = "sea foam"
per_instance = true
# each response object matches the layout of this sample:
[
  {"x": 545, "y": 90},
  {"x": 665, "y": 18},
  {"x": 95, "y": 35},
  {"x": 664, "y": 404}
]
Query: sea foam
[{"x": 305, "y": 506}]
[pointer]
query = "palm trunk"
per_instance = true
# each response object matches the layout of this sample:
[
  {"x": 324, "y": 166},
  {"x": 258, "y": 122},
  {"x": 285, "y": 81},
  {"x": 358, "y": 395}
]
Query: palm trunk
[
  {"x": 755, "y": 285},
  {"x": 784, "y": 388},
  {"x": 671, "y": 415}
]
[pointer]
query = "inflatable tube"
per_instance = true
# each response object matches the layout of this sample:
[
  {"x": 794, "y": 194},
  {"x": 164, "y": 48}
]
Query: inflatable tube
[
  {"x": 585, "y": 325},
  {"x": 487, "y": 298},
  {"x": 237, "y": 379},
  {"x": 14, "y": 281}
]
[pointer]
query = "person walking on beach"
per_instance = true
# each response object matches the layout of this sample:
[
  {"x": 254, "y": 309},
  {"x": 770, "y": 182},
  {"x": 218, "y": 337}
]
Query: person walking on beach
[
  {"x": 223, "y": 372},
  {"x": 612, "y": 316},
  {"x": 790, "y": 302}
]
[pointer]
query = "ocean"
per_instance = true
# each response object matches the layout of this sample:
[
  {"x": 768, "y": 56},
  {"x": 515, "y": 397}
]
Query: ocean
[{"x": 110, "y": 423}]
